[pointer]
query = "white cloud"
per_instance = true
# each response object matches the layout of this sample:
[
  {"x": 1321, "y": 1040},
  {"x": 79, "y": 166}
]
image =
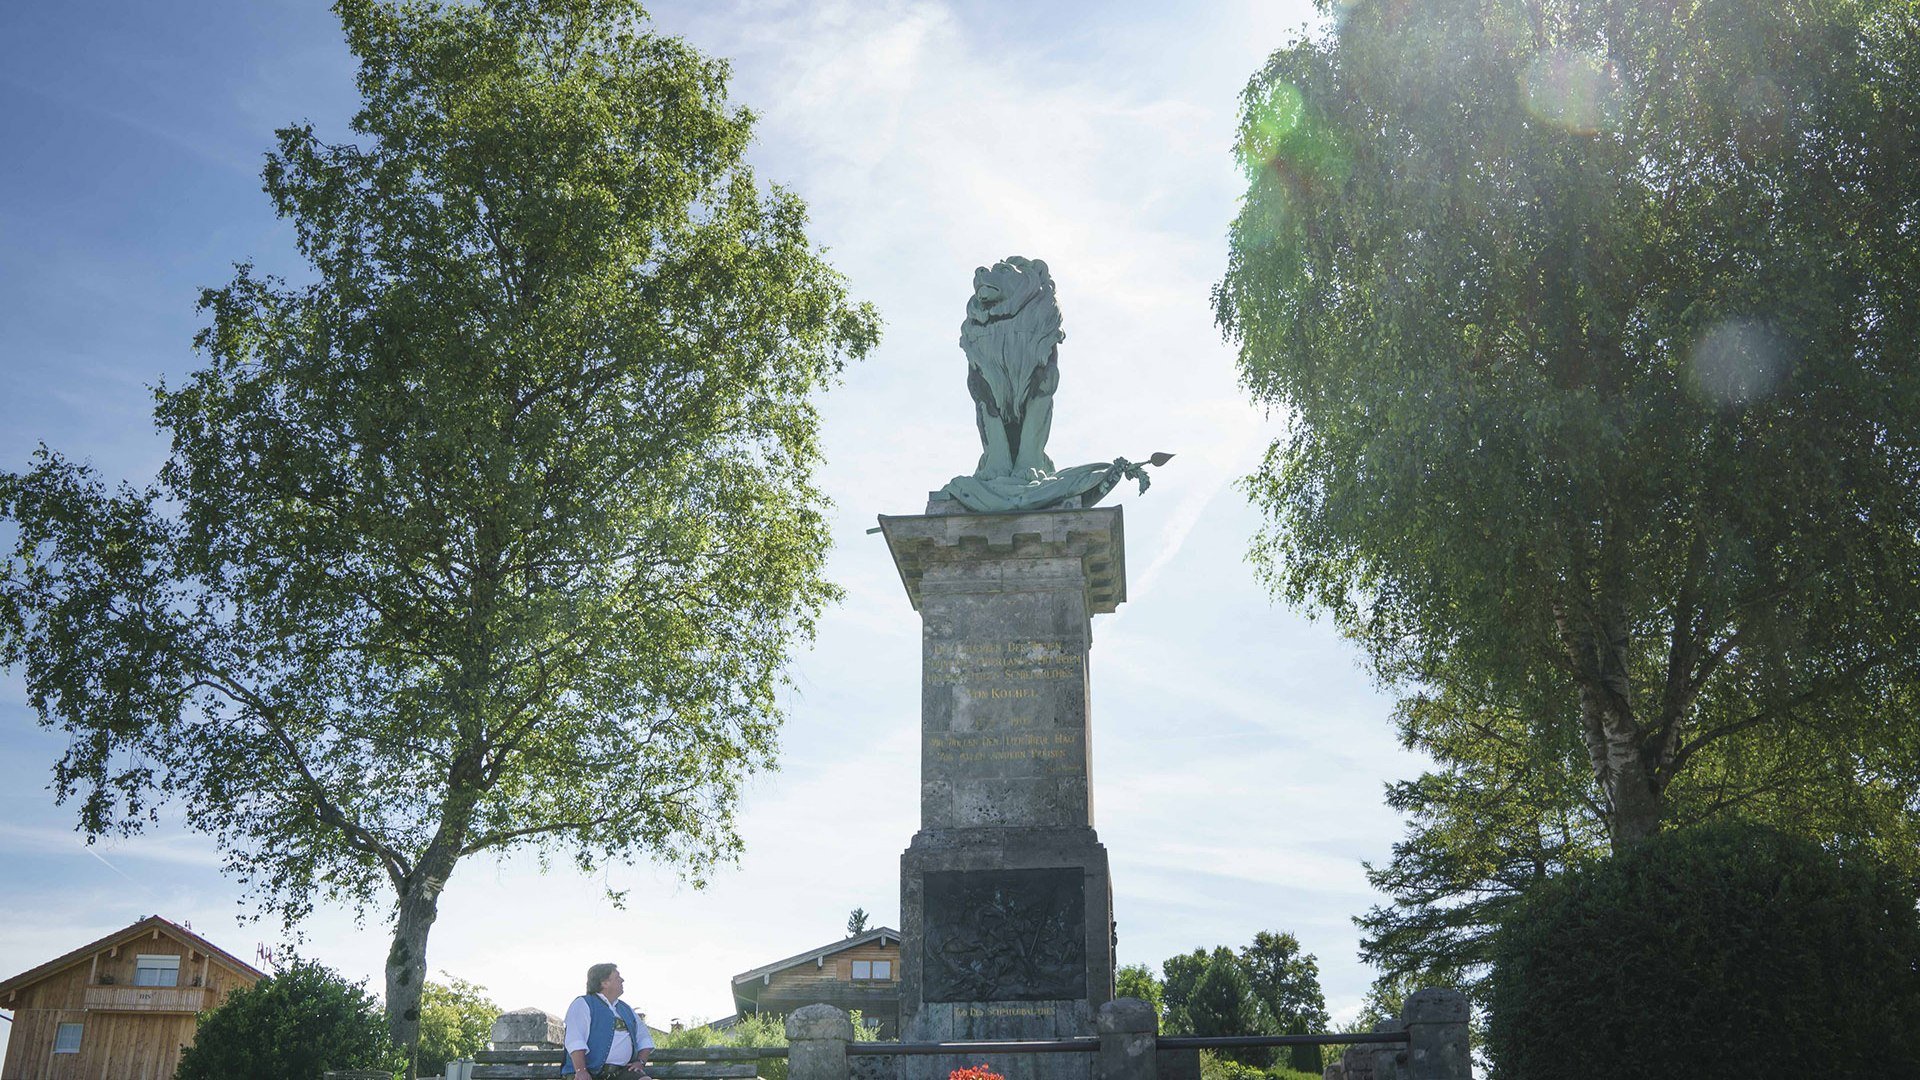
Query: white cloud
[{"x": 167, "y": 847}]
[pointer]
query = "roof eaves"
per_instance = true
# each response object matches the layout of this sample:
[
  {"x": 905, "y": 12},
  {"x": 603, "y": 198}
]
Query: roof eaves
[
  {"x": 879, "y": 933},
  {"x": 121, "y": 937}
]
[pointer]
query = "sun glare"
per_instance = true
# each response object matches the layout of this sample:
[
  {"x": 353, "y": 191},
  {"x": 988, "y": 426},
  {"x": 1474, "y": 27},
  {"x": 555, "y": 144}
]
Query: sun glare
[{"x": 1577, "y": 90}]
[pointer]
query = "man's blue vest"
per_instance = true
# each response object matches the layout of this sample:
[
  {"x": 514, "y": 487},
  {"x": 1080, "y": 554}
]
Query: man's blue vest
[{"x": 600, "y": 1032}]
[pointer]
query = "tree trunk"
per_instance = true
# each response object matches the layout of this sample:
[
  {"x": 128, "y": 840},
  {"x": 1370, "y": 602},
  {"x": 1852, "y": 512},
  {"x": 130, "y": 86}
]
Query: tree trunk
[
  {"x": 413, "y": 919},
  {"x": 1616, "y": 747},
  {"x": 1625, "y": 756}
]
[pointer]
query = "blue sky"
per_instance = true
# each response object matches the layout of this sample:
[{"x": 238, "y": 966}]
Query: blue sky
[{"x": 1239, "y": 748}]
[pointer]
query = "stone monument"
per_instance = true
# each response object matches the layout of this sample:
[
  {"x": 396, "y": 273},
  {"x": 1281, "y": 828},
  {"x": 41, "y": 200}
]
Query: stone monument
[{"x": 1005, "y": 903}]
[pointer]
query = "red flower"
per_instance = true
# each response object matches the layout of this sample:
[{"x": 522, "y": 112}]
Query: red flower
[{"x": 978, "y": 1072}]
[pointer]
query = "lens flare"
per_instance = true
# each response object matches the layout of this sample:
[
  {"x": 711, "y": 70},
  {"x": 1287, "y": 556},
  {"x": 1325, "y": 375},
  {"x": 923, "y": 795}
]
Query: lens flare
[
  {"x": 1266, "y": 125},
  {"x": 1738, "y": 361},
  {"x": 1575, "y": 90}
]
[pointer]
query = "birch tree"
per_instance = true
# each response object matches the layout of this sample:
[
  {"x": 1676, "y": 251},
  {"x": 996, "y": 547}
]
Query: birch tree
[{"x": 497, "y": 533}]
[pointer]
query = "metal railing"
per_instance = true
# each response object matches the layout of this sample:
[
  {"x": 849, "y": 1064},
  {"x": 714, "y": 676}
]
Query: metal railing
[{"x": 1087, "y": 1044}]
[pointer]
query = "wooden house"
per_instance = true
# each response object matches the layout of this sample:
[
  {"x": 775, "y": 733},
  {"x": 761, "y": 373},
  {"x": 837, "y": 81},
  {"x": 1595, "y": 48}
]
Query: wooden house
[
  {"x": 120, "y": 1007},
  {"x": 861, "y": 972}
]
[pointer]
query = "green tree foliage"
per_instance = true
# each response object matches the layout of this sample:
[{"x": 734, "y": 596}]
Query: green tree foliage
[
  {"x": 856, "y": 922},
  {"x": 1287, "y": 983},
  {"x": 1223, "y": 1002},
  {"x": 760, "y": 1029},
  {"x": 455, "y": 1019},
  {"x": 1506, "y": 810},
  {"x": 1593, "y": 326},
  {"x": 1137, "y": 981},
  {"x": 1215, "y": 1067},
  {"x": 297, "y": 1024},
  {"x": 1726, "y": 951},
  {"x": 496, "y": 534},
  {"x": 1268, "y": 987},
  {"x": 1181, "y": 973}
]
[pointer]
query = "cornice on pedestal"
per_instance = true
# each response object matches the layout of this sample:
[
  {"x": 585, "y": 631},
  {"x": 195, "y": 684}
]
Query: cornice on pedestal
[{"x": 1094, "y": 536}]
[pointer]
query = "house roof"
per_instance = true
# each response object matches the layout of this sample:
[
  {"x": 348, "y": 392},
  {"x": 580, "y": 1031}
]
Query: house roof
[
  {"x": 882, "y": 934},
  {"x": 142, "y": 928}
]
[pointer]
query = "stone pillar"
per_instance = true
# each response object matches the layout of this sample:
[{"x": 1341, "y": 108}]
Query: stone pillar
[
  {"x": 1129, "y": 1032},
  {"x": 1389, "y": 1059},
  {"x": 1356, "y": 1063},
  {"x": 817, "y": 1038},
  {"x": 1006, "y": 908},
  {"x": 527, "y": 1029},
  {"x": 1437, "y": 1047},
  {"x": 1374, "y": 1061}
]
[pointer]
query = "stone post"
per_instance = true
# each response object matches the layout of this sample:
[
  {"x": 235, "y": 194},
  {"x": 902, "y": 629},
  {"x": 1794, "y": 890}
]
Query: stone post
[
  {"x": 1372, "y": 1061},
  {"x": 1389, "y": 1059},
  {"x": 1436, "y": 1021},
  {"x": 1129, "y": 1032},
  {"x": 817, "y": 1038},
  {"x": 527, "y": 1029}
]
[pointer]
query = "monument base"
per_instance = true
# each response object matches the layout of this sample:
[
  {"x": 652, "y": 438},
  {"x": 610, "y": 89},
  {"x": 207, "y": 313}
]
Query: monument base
[{"x": 1011, "y": 933}]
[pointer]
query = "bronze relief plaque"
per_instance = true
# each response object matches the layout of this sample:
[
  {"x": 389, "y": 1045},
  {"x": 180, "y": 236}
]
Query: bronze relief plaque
[{"x": 1005, "y": 935}]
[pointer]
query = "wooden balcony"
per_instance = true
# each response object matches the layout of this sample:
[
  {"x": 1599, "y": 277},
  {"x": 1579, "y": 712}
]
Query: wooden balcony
[{"x": 147, "y": 999}]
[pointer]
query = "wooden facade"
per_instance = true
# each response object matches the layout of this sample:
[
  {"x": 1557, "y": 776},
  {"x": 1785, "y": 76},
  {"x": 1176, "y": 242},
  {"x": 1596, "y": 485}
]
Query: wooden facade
[
  {"x": 87, "y": 1015},
  {"x": 861, "y": 972}
]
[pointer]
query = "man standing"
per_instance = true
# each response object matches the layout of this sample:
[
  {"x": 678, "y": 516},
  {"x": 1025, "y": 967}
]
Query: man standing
[{"x": 605, "y": 1038}]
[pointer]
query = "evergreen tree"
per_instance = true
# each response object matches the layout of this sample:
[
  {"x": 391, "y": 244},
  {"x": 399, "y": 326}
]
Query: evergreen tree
[{"x": 1223, "y": 1002}]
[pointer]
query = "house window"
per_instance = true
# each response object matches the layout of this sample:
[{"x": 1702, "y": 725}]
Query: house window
[
  {"x": 66, "y": 1039},
  {"x": 868, "y": 970},
  {"x": 156, "y": 971}
]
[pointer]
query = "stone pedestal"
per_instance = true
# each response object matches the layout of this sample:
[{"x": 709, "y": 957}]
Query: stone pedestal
[{"x": 1005, "y": 903}]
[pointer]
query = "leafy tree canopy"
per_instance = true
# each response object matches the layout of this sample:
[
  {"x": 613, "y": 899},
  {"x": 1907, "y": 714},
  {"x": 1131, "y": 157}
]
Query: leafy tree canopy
[
  {"x": 1222, "y": 1002},
  {"x": 1179, "y": 976},
  {"x": 1267, "y": 987},
  {"x": 758, "y": 1029},
  {"x": 456, "y": 1017},
  {"x": 298, "y": 1023},
  {"x": 497, "y": 532},
  {"x": 1287, "y": 982},
  {"x": 1138, "y": 981},
  {"x": 1592, "y": 323}
]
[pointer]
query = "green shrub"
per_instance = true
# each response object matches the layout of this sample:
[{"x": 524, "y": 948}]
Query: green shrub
[
  {"x": 763, "y": 1029},
  {"x": 293, "y": 1025},
  {"x": 1729, "y": 951},
  {"x": 1215, "y": 1067}
]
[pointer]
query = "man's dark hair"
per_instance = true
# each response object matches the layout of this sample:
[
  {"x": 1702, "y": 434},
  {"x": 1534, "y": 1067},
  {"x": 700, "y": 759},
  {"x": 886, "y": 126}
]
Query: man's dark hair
[{"x": 597, "y": 974}]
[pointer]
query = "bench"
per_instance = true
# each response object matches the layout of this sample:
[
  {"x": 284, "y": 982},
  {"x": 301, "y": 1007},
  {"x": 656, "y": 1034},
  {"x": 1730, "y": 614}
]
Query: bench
[{"x": 696, "y": 1063}]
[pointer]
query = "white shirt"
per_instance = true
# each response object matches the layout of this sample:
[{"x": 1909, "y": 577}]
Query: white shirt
[{"x": 580, "y": 1018}]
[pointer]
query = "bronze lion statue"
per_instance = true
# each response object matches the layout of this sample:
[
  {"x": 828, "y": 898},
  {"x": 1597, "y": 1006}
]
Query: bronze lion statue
[{"x": 1011, "y": 337}]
